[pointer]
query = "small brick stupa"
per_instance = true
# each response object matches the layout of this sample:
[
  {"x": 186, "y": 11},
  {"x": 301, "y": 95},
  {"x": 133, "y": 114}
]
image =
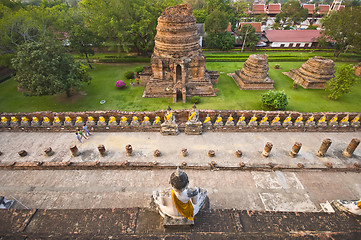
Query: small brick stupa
[
  {"x": 178, "y": 63},
  {"x": 254, "y": 74},
  {"x": 314, "y": 73}
]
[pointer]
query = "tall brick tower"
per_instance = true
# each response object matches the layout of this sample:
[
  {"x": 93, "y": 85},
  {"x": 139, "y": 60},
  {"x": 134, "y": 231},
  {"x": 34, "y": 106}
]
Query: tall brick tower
[{"x": 178, "y": 63}]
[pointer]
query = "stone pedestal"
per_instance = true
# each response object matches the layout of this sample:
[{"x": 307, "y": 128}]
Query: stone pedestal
[
  {"x": 230, "y": 123},
  {"x": 193, "y": 128},
  {"x": 90, "y": 123},
  {"x": 25, "y": 123},
  {"x": 4, "y": 123},
  {"x": 35, "y": 123},
  {"x": 134, "y": 123},
  {"x": 169, "y": 129},
  {"x": 174, "y": 222},
  {"x": 146, "y": 124},
  {"x": 68, "y": 124}
]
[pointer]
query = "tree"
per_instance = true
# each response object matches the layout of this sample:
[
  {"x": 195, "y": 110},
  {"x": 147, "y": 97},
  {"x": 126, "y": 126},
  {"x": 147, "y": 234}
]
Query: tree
[
  {"x": 83, "y": 40},
  {"x": 342, "y": 82},
  {"x": 30, "y": 24},
  {"x": 125, "y": 23},
  {"x": 200, "y": 15},
  {"x": 223, "y": 41},
  {"x": 44, "y": 68},
  {"x": 248, "y": 36},
  {"x": 343, "y": 29},
  {"x": 216, "y": 22},
  {"x": 294, "y": 13}
]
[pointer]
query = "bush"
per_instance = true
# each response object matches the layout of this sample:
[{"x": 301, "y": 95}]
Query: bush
[
  {"x": 277, "y": 66},
  {"x": 195, "y": 99},
  {"x": 120, "y": 84},
  {"x": 129, "y": 74},
  {"x": 275, "y": 100},
  {"x": 138, "y": 69}
]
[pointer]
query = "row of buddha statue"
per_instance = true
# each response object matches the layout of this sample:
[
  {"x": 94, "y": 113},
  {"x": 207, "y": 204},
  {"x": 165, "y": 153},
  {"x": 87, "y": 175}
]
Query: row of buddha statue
[{"x": 192, "y": 126}]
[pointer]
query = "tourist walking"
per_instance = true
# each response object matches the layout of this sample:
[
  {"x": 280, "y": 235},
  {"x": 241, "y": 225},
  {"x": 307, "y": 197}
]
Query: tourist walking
[
  {"x": 81, "y": 134},
  {"x": 78, "y": 137},
  {"x": 86, "y": 131}
]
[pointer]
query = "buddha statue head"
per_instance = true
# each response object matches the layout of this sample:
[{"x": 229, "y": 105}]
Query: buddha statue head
[{"x": 178, "y": 180}]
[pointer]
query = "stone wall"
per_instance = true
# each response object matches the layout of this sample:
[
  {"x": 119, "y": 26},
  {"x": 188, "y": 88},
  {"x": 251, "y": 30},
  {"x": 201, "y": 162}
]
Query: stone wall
[{"x": 253, "y": 121}]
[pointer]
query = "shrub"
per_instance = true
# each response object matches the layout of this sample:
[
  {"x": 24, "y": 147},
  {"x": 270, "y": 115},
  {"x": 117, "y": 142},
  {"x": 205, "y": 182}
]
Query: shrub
[
  {"x": 138, "y": 69},
  {"x": 195, "y": 99},
  {"x": 277, "y": 66},
  {"x": 129, "y": 74},
  {"x": 120, "y": 84},
  {"x": 275, "y": 100}
]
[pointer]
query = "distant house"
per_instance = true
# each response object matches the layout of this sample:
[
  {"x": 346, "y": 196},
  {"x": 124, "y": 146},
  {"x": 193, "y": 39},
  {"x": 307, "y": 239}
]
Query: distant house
[
  {"x": 323, "y": 9},
  {"x": 310, "y": 7},
  {"x": 292, "y": 38},
  {"x": 273, "y": 9},
  {"x": 259, "y": 8},
  {"x": 256, "y": 25}
]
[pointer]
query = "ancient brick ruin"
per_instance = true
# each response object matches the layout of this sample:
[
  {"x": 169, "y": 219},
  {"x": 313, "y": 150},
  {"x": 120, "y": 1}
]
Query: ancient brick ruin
[
  {"x": 314, "y": 73},
  {"x": 178, "y": 63},
  {"x": 254, "y": 74}
]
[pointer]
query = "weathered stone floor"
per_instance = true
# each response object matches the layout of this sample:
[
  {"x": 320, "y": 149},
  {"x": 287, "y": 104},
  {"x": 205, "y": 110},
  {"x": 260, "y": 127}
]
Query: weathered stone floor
[
  {"x": 270, "y": 191},
  {"x": 144, "y": 145}
]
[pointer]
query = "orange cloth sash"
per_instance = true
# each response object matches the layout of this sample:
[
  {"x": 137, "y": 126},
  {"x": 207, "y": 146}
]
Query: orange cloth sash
[{"x": 186, "y": 209}]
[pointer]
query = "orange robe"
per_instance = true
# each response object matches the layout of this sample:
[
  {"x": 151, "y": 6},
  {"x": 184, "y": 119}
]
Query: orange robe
[{"x": 186, "y": 209}]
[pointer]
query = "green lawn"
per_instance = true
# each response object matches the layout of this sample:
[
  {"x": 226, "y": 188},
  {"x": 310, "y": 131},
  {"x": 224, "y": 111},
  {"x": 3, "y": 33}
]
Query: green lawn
[{"x": 130, "y": 99}]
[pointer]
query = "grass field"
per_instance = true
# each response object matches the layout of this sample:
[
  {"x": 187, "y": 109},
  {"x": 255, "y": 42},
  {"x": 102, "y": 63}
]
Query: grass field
[{"x": 130, "y": 99}]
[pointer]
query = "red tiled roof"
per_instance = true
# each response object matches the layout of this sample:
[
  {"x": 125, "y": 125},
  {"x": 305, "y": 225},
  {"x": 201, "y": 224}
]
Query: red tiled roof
[
  {"x": 274, "y": 8},
  {"x": 259, "y": 8},
  {"x": 309, "y": 7},
  {"x": 229, "y": 28},
  {"x": 292, "y": 35},
  {"x": 323, "y": 8},
  {"x": 256, "y": 25}
]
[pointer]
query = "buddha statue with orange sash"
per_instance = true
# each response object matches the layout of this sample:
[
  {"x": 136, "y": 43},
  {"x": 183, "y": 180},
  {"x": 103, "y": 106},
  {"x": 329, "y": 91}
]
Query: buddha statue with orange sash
[{"x": 180, "y": 202}]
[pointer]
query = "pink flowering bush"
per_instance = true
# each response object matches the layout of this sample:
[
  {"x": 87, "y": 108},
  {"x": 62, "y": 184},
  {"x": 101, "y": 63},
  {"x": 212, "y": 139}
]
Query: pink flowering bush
[{"x": 120, "y": 84}]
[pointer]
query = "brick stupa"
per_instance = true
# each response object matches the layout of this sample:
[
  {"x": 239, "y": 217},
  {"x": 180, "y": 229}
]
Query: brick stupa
[
  {"x": 254, "y": 74},
  {"x": 314, "y": 73},
  {"x": 178, "y": 63}
]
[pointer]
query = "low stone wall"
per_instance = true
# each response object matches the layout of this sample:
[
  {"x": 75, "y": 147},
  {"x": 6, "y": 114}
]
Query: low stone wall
[{"x": 138, "y": 121}]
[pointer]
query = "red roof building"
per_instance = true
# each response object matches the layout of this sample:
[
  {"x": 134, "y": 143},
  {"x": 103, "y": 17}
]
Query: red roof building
[
  {"x": 259, "y": 8},
  {"x": 292, "y": 38},
  {"x": 309, "y": 7},
  {"x": 323, "y": 9},
  {"x": 256, "y": 25},
  {"x": 274, "y": 8}
]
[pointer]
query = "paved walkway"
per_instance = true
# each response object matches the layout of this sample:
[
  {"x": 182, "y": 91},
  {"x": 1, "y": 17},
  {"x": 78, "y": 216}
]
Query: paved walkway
[
  {"x": 276, "y": 190},
  {"x": 144, "y": 145},
  {"x": 281, "y": 191}
]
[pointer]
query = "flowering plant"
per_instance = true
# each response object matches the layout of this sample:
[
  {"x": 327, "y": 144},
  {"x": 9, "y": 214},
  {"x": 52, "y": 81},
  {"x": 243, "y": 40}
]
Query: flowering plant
[{"x": 120, "y": 84}]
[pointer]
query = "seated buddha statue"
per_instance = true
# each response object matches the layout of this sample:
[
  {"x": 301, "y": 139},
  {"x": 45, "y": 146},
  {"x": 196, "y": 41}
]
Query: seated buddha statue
[{"x": 180, "y": 201}]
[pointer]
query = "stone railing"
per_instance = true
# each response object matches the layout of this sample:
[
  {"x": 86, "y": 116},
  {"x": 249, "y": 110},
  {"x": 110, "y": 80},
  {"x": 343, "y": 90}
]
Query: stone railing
[{"x": 212, "y": 120}]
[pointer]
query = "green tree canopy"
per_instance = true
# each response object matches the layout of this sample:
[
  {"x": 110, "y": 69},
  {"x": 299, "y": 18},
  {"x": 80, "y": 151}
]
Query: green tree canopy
[
  {"x": 43, "y": 68},
  {"x": 223, "y": 40},
  {"x": 29, "y": 24},
  {"x": 343, "y": 29},
  {"x": 83, "y": 40},
  {"x": 200, "y": 15},
  {"x": 342, "y": 82},
  {"x": 125, "y": 23},
  {"x": 293, "y": 12},
  {"x": 247, "y": 36},
  {"x": 216, "y": 22}
]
